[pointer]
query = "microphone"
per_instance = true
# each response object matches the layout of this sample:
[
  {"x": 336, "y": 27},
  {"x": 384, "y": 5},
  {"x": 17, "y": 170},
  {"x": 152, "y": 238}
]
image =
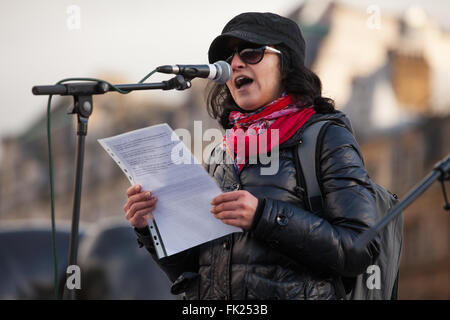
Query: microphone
[{"x": 219, "y": 72}]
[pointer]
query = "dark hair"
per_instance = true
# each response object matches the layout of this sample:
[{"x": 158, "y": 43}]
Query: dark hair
[{"x": 296, "y": 79}]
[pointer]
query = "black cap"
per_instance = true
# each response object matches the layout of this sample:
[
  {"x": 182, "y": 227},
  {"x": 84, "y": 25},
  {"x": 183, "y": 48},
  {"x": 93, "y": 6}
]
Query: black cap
[{"x": 259, "y": 28}]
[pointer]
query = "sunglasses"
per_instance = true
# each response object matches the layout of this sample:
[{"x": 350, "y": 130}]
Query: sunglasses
[{"x": 251, "y": 55}]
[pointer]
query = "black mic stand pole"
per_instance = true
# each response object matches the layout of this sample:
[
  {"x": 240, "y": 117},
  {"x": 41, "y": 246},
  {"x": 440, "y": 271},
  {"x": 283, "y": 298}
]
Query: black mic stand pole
[
  {"x": 83, "y": 109},
  {"x": 82, "y": 93},
  {"x": 441, "y": 171}
]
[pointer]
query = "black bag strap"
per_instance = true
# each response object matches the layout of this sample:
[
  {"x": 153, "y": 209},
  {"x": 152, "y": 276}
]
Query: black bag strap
[
  {"x": 212, "y": 166},
  {"x": 394, "y": 295},
  {"x": 307, "y": 156}
]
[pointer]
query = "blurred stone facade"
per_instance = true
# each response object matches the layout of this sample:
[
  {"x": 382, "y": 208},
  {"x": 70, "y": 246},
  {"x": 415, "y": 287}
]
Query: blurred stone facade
[
  {"x": 24, "y": 173},
  {"x": 399, "y": 161},
  {"x": 390, "y": 75},
  {"x": 392, "y": 82}
]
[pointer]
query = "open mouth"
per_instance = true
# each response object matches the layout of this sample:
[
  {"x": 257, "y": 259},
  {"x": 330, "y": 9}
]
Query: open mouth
[{"x": 242, "y": 81}]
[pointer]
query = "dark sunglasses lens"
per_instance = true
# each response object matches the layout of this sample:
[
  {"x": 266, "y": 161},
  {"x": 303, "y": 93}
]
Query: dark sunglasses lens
[
  {"x": 252, "y": 56},
  {"x": 230, "y": 58}
]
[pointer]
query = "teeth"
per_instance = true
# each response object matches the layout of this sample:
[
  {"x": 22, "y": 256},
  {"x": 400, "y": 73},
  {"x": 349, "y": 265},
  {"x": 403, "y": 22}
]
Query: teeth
[{"x": 241, "y": 80}]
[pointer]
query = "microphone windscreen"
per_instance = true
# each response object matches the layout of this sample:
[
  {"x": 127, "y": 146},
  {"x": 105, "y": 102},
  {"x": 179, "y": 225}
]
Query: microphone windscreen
[{"x": 224, "y": 72}]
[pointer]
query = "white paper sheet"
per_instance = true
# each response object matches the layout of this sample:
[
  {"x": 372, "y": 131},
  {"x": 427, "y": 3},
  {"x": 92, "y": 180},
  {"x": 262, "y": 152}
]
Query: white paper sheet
[{"x": 156, "y": 159}]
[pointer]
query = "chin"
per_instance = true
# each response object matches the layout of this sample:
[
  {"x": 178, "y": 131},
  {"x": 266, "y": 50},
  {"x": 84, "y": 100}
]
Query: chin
[
  {"x": 248, "y": 105},
  {"x": 253, "y": 108}
]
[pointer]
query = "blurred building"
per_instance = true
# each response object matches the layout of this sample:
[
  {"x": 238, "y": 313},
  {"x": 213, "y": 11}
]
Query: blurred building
[
  {"x": 25, "y": 196},
  {"x": 388, "y": 73},
  {"x": 24, "y": 173}
]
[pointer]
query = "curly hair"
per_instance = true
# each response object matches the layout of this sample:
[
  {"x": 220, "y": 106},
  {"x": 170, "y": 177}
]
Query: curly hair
[{"x": 296, "y": 79}]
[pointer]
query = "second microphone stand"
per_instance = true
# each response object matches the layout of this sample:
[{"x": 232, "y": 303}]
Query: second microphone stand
[{"x": 440, "y": 172}]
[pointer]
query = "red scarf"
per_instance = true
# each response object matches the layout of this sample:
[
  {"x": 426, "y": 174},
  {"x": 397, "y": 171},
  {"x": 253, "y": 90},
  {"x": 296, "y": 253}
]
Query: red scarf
[{"x": 259, "y": 131}]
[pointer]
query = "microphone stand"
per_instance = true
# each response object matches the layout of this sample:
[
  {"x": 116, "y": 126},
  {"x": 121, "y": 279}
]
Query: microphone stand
[
  {"x": 83, "y": 106},
  {"x": 440, "y": 172}
]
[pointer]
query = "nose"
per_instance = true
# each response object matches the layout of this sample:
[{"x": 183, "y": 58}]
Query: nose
[{"x": 236, "y": 62}]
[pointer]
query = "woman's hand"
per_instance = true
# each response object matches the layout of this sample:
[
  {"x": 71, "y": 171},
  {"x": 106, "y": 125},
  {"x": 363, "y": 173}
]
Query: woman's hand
[
  {"x": 236, "y": 208},
  {"x": 139, "y": 206}
]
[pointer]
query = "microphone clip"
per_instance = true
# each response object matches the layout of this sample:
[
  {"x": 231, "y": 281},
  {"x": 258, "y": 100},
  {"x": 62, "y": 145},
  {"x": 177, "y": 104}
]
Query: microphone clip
[{"x": 178, "y": 82}]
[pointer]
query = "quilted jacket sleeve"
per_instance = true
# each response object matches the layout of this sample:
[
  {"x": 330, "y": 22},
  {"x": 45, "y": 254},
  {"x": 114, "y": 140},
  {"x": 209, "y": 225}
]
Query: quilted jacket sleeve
[{"x": 324, "y": 241}]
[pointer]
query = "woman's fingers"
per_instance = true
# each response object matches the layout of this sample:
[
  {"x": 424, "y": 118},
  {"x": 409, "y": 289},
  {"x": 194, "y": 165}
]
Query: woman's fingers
[
  {"x": 227, "y": 215},
  {"x": 231, "y": 205},
  {"x": 133, "y": 189},
  {"x": 141, "y": 217},
  {"x": 139, "y": 206},
  {"x": 231, "y": 218},
  {"x": 226, "y": 197},
  {"x": 138, "y": 197},
  {"x": 236, "y": 208},
  {"x": 135, "y": 207}
]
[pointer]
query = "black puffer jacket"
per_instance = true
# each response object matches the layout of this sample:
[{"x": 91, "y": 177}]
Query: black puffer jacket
[{"x": 290, "y": 253}]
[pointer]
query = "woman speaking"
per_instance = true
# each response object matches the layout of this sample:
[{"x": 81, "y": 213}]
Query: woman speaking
[{"x": 286, "y": 251}]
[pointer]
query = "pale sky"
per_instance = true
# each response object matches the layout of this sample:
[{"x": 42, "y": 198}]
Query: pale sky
[{"x": 40, "y": 44}]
